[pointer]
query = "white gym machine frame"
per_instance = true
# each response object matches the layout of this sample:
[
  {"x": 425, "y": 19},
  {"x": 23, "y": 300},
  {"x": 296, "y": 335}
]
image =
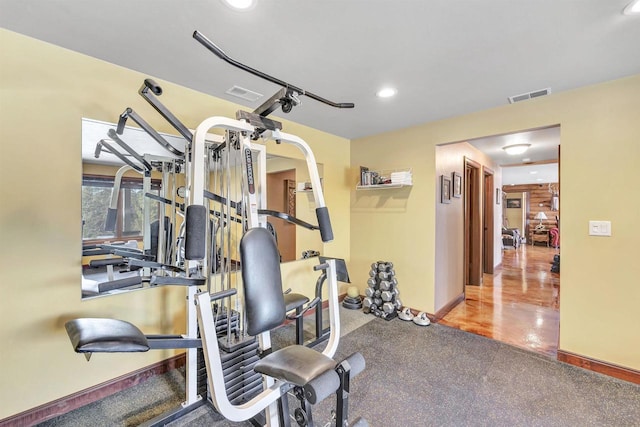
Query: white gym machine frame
[{"x": 252, "y": 202}]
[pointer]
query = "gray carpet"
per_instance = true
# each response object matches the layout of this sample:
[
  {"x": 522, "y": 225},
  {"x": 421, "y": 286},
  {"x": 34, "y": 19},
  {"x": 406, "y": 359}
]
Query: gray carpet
[{"x": 420, "y": 376}]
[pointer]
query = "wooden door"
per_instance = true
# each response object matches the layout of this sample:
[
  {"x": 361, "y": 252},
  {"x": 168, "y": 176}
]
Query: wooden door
[
  {"x": 488, "y": 232},
  {"x": 278, "y": 191},
  {"x": 472, "y": 224}
]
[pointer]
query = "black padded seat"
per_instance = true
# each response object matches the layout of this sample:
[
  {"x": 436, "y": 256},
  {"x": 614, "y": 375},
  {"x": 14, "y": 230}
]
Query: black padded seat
[
  {"x": 293, "y": 301},
  {"x": 295, "y": 364},
  {"x": 96, "y": 335}
]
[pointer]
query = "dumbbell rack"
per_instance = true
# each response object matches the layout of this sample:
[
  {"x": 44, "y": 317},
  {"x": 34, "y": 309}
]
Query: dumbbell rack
[{"x": 381, "y": 295}]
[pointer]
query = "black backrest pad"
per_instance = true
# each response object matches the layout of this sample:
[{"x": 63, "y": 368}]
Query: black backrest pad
[{"x": 262, "y": 281}]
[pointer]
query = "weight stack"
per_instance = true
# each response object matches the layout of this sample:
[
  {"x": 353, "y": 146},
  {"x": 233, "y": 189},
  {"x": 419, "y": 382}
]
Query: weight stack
[
  {"x": 222, "y": 320},
  {"x": 381, "y": 294},
  {"x": 241, "y": 381}
]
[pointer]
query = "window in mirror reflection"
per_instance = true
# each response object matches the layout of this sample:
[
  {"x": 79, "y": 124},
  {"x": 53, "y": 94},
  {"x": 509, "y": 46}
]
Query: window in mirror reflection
[{"x": 96, "y": 195}]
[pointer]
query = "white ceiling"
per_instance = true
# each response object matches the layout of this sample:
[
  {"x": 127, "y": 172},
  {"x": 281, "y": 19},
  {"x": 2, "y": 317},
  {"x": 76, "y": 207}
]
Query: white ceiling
[
  {"x": 540, "y": 160},
  {"x": 446, "y": 58}
]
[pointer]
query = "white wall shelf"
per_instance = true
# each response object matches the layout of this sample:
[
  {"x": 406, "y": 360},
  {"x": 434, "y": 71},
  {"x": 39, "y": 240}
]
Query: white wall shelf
[
  {"x": 380, "y": 186},
  {"x": 385, "y": 179}
]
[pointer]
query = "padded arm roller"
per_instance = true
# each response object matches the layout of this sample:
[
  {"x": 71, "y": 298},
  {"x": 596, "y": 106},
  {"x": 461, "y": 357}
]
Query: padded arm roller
[
  {"x": 195, "y": 233},
  {"x": 322, "y": 386},
  {"x": 97, "y": 263},
  {"x": 119, "y": 284},
  {"x": 356, "y": 364},
  {"x": 110, "y": 223},
  {"x": 324, "y": 222},
  {"x": 177, "y": 281}
]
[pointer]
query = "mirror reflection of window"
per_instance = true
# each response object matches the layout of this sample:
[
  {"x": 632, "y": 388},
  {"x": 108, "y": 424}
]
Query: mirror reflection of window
[
  {"x": 96, "y": 195},
  {"x": 103, "y": 274}
]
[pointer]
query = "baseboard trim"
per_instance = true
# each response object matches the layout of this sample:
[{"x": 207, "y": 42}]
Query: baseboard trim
[
  {"x": 599, "y": 366},
  {"x": 74, "y": 401},
  {"x": 447, "y": 308}
]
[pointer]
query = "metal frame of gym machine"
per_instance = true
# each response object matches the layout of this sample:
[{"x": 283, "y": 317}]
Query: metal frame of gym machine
[{"x": 249, "y": 126}]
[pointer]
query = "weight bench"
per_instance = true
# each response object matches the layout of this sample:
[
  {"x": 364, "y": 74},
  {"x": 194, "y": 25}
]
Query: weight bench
[{"x": 310, "y": 375}]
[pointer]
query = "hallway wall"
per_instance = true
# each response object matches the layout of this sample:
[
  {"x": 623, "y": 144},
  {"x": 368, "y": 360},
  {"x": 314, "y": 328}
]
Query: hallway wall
[
  {"x": 599, "y": 274},
  {"x": 450, "y": 239}
]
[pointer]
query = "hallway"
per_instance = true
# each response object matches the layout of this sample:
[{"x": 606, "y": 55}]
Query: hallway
[{"x": 517, "y": 305}]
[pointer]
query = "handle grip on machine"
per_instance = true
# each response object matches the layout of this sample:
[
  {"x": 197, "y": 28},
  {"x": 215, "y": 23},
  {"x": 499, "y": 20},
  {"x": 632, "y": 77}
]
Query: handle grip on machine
[
  {"x": 153, "y": 86},
  {"x": 314, "y": 302},
  {"x": 322, "y": 266},
  {"x": 110, "y": 222},
  {"x": 324, "y": 222}
]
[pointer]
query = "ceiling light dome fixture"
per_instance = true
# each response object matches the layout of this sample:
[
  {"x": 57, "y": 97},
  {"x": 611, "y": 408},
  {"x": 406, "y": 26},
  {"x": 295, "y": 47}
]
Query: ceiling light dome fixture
[
  {"x": 386, "y": 92},
  {"x": 516, "y": 149},
  {"x": 240, "y": 4},
  {"x": 632, "y": 8}
]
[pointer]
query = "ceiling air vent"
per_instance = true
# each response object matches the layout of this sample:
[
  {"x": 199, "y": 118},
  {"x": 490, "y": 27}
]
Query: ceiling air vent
[
  {"x": 243, "y": 93},
  {"x": 529, "y": 95}
]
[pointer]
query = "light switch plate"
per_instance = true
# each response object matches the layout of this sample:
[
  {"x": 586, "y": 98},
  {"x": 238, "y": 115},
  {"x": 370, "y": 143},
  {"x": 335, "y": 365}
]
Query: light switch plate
[{"x": 599, "y": 228}]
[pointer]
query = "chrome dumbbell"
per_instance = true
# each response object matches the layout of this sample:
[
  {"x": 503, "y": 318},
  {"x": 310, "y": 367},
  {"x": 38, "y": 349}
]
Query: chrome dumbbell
[
  {"x": 385, "y": 285},
  {"x": 388, "y": 307},
  {"x": 387, "y": 295}
]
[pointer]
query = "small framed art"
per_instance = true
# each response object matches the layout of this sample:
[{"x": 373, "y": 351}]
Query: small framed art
[
  {"x": 456, "y": 182},
  {"x": 445, "y": 189}
]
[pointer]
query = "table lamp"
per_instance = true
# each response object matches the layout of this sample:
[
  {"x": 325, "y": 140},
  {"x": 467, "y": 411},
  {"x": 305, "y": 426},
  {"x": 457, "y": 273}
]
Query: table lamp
[{"x": 540, "y": 216}]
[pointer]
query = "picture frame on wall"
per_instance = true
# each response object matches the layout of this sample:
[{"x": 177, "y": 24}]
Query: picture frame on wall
[
  {"x": 456, "y": 182},
  {"x": 445, "y": 189},
  {"x": 514, "y": 203}
]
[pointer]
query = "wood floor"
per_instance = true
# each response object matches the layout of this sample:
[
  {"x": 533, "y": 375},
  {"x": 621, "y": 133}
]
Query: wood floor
[{"x": 517, "y": 305}]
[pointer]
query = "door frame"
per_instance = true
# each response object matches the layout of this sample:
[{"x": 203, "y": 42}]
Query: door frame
[
  {"x": 488, "y": 220},
  {"x": 472, "y": 223}
]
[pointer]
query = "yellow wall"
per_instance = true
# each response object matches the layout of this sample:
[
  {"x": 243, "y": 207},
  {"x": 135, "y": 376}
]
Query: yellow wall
[
  {"x": 599, "y": 290},
  {"x": 44, "y": 92}
]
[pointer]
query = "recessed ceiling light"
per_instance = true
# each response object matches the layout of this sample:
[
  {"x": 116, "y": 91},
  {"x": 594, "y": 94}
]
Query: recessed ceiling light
[
  {"x": 632, "y": 8},
  {"x": 533, "y": 172},
  {"x": 386, "y": 92},
  {"x": 515, "y": 149},
  {"x": 526, "y": 160},
  {"x": 240, "y": 4}
]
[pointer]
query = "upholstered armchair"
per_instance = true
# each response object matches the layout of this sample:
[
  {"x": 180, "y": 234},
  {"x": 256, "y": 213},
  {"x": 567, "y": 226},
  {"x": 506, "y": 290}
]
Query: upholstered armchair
[{"x": 510, "y": 238}]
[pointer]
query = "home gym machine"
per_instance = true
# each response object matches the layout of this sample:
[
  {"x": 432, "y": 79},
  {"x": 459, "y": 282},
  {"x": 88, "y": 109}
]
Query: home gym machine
[{"x": 230, "y": 350}]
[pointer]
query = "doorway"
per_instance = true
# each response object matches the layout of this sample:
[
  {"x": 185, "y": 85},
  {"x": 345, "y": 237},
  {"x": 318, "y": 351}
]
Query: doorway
[
  {"x": 472, "y": 224},
  {"x": 478, "y": 222},
  {"x": 279, "y": 199},
  {"x": 518, "y": 300},
  {"x": 487, "y": 235}
]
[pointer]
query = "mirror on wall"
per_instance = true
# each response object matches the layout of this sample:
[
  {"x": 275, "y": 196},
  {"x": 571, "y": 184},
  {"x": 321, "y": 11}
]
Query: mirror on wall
[
  {"x": 123, "y": 201},
  {"x": 289, "y": 191}
]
